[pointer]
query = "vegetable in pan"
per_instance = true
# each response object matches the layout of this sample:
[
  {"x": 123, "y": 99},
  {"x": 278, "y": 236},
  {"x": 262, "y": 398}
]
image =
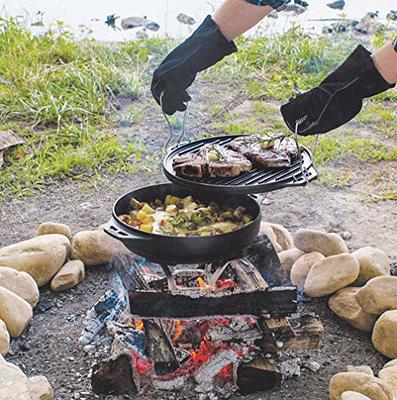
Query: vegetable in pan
[{"x": 185, "y": 216}]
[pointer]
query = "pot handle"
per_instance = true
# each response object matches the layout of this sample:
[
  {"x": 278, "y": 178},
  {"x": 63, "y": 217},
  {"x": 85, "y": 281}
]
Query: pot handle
[
  {"x": 113, "y": 229},
  {"x": 257, "y": 197}
]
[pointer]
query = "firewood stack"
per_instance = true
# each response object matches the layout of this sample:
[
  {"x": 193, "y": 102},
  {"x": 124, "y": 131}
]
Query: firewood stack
[{"x": 220, "y": 327}]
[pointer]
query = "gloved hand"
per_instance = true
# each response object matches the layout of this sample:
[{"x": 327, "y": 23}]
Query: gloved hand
[
  {"x": 338, "y": 98},
  {"x": 205, "y": 47}
]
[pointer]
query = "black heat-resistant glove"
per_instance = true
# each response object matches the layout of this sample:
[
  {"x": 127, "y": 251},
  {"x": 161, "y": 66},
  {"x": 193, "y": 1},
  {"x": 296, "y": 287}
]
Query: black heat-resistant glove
[
  {"x": 338, "y": 98},
  {"x": 205, "y": 47}
]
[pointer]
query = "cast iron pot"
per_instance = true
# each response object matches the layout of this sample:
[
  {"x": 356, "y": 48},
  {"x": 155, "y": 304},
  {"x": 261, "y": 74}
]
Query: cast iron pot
[{"x": 173, "y": 250}]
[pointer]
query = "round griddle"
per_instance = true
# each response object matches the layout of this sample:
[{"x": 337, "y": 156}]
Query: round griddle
[{"x": 258, "y": 180}]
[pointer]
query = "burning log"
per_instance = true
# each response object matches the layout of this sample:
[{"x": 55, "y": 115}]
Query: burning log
[
  {"x": 214, "y": 365},
  {"x": 258, "y": 375},
  {"x": 160, "y": 349}
]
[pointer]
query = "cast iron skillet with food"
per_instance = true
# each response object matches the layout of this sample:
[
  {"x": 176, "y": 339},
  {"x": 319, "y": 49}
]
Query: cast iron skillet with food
[{"x": 189, "y": 247}]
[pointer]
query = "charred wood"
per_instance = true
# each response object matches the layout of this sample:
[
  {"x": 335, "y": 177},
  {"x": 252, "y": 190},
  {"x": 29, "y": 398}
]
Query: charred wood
[
  {"x": 258, "y": 375},
  {"x": 299, "y": 333},
  {"x": 114, "y": 375},
  {"x": 154, "y": 304},
  {"x": 160, "y": 349}
]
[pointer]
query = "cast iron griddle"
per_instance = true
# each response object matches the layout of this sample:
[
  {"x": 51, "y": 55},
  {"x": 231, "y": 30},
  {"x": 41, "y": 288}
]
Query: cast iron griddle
[{"x": 258, "y": 180}]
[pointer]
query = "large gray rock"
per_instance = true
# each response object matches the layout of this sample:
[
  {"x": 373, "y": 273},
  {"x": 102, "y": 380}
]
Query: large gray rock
[
  {"x": 20, "y": 283},
  {"x": 41, "y": 257},
  {"x": 331, "y": 274},
  {"x": 328, "y": 244},
  {"x": 96, "y": 248},
  {"x": 378, "y": 295},
  {"x": 373, "y": 262}
]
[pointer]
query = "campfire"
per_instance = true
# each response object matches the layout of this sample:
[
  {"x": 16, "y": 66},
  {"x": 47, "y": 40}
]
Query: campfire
[{"x": 221, "y": 327}]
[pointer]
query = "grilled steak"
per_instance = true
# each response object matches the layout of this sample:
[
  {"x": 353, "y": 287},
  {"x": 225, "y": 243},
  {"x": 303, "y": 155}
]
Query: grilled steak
[
  {"x": 281, "y": 153},
  {"x": 214, "y": 161},
  {"x": 224, "y": 162},
  {"x": 190, "y": 165}
]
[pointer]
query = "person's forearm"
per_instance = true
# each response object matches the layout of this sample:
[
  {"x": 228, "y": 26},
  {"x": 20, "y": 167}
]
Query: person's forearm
[
  {"x": 235, "y": 17},
  {"x": 385, "y": 60}
]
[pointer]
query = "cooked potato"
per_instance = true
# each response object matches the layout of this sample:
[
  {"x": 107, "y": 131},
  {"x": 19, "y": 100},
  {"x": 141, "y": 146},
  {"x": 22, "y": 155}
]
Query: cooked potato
[
  {"x": 171, "y": 209},
  {"x": 146, "y": 228},
  {"x": 147, "y": 209}
]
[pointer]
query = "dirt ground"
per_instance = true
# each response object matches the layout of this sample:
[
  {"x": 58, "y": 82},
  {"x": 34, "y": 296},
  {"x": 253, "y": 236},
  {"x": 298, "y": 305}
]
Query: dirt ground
[{"x": 50, "y": 346}]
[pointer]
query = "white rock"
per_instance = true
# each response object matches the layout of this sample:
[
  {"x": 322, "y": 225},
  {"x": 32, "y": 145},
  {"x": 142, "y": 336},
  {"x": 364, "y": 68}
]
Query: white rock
[
  {"x": 15, "y": 312},
  {"x": 19, "y": 387},
  {"x": 288, "y": 258},
  {"x": 40, "y": 388},
  {"x": 328, "y": 244},
  {"x": 389, "y": 375},
  {"x": 266, "y": 229},
  {"x": 345, "y": 305},
  {"x": 391, "y": 363},
  {"x": 282, "y": 237},
  {"x": 384, "y": 335},
  {"x": 96, "y": 248},
  {"x": 20, "y": 283},
  {"x": 349, "y": 395},
  {"x": 70, "y": 275},
  {"x": 9, "y": 373},
  {"x": 302, "y": 267},
  {"x": 365, "y": 369},
  {"x": 41, "y": 257},
  {"x": 4, "y": 339},
  {"x": 359, "y": 382},
  {"x": 373, "y": 262},
  {"x": 48, "y": 228},
  {"x": 331, "y": 274},
  {"x": 378, "y": 295}
]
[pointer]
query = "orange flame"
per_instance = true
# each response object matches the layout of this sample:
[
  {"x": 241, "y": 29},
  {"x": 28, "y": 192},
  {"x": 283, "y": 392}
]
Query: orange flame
[
  {"x": 139, "y": 325},
  {"x": 178, "y": 332},
  {"x": 201, "y": 284}
]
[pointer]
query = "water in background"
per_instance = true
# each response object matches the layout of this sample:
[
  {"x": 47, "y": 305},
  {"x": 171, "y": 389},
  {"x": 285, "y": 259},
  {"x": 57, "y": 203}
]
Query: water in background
[{"x": 92, "y": 14}]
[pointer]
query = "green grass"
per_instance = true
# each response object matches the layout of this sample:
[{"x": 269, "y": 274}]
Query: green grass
[
  {"x": 63, "y": 97},
  {"x": 380, "y": 117},
  {"x": 271, "y": 65},
  {"x": 58, "y": 93}
]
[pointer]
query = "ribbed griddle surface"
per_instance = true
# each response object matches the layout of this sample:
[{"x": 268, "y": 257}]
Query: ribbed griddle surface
[{"x": 258, "y": 180}]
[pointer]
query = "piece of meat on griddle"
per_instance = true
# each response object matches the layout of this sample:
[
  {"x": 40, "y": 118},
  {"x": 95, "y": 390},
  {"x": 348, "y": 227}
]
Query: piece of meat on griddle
[
  {"x": 225, "y": 163},
  {"x": 214, "y": 161},
  {"x": 190, "y": 165},
  {"x": 280, "y": 153}
]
